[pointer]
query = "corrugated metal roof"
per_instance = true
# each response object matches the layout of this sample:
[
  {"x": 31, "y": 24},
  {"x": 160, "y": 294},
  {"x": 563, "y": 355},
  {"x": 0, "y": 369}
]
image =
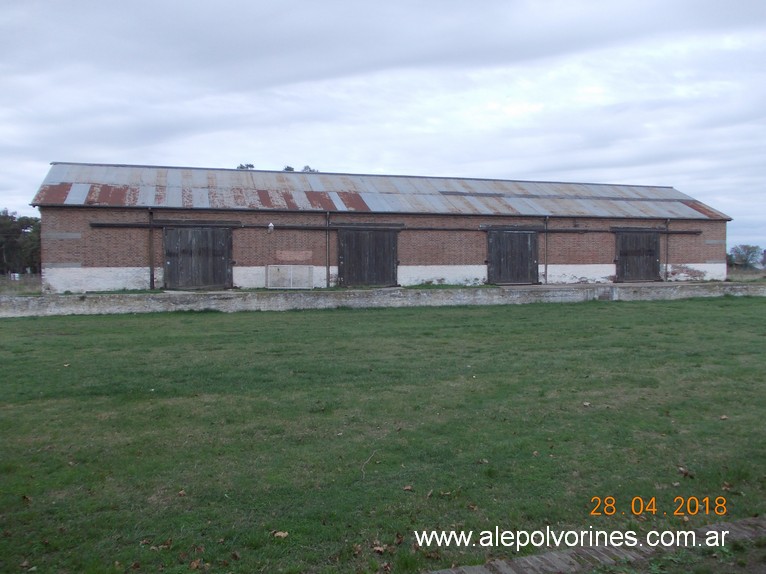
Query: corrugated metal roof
[{"x": 75, "y": 184}]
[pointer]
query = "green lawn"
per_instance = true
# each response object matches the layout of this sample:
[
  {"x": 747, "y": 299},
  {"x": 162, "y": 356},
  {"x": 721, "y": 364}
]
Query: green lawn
[
  {"x": 169, "y": 442},
  {"x": 735, "y": 558}
]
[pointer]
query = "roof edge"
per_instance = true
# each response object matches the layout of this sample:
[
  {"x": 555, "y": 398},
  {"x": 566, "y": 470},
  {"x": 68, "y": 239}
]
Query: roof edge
[{"x": 366, "y": 213}]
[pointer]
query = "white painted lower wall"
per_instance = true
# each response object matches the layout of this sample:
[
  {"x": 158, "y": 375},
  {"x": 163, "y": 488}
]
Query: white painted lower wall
[
  {"x": 255, "y": 277},
  {"x": 442, "y": 274},
  {"x": 595, "y": 273},
  {"x": 697, "y": 272},
  {"x": 606, "y": 273},
  {"x": 82, "y": 279},
  {"x": 289, "y": 276},
  {"x": 249, "y": 277}
]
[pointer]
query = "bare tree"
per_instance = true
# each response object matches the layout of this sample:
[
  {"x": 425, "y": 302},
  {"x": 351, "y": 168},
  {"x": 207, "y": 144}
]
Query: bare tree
[{"x": 745, "y": 256}]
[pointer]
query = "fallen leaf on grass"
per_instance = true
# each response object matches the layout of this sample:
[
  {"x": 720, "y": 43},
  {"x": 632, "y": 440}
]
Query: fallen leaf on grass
[
  {"x": 379, "y": 549},
  {"x": 182, "y": 492},
  {"x": 164, "y": 546},
  {"x": 586, "y": 404},
  {"x": 724, "y": 417},
  {"x": 726, "y": 486},
  {"x": 432, "y": 555},
  {"x": 685, "y": 472},
  {"x": 279, "y": 534},
  {"x": 399, "y": 539},
  {"x": 408, "y": 488},
  {"x": 236, "y": 555}
]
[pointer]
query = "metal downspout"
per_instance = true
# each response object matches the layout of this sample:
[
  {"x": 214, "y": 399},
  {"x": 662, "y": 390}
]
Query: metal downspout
[
  {"x": 327, "y": 248},
  {"x": 667, "y": 248},
  {"x": 545, "y": 233},
  {"x": 151, "y": 249}
]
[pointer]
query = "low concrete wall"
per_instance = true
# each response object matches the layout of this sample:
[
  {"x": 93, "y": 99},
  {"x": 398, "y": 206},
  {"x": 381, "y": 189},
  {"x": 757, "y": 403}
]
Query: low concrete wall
[{"x": 233, "y": 301}]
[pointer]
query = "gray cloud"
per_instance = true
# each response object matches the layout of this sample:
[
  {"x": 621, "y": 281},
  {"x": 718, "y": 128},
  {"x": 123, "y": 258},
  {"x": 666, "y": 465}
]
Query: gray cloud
[{"x": 660, "y": 92}]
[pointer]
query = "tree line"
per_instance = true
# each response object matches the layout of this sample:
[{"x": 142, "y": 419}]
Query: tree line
[
  {"x": 306, "y": 168},
  {"x": 19, "y": 243}
]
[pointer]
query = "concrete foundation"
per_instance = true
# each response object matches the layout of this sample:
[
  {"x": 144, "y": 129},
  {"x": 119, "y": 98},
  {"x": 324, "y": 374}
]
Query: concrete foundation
[{"x": 233, "y": 301}]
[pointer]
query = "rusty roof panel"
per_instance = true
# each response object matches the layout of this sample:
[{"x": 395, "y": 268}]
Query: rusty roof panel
[
  {"x": 319, "y": 201},
  {"x": 353, "y": 201},
  {"x": 197, "y": 188},
  {"x": 53, "y": 193},
  {"x": 289, "y": 199}
]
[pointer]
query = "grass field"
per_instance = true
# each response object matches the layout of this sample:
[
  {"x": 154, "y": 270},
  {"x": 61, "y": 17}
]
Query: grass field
[
  {"x": 319, "y": 441},
  {"x": 25, "y": 285},
  {"x": 734, "y": 558}
]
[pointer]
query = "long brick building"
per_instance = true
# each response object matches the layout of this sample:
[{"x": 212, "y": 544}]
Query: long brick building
[{"x": 111, "y": 227}]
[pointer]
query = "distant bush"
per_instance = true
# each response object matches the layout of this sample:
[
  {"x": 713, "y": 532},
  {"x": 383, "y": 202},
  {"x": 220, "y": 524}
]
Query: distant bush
[{"x": 746, "y": 256}]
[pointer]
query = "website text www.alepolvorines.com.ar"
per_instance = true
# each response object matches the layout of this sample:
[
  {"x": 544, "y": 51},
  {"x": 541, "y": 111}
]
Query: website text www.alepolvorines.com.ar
[{"x": 520, "y": 539}]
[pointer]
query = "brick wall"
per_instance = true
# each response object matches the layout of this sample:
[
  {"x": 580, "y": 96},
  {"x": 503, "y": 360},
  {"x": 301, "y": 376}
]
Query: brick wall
[{"x": 69, "y": 239}]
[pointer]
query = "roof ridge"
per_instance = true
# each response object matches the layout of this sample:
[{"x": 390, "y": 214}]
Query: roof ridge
[{"x": 387, "y": 175}]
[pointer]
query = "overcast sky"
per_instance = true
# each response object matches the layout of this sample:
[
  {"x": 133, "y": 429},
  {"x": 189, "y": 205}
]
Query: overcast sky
[{"x": 661, "y": 92}]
